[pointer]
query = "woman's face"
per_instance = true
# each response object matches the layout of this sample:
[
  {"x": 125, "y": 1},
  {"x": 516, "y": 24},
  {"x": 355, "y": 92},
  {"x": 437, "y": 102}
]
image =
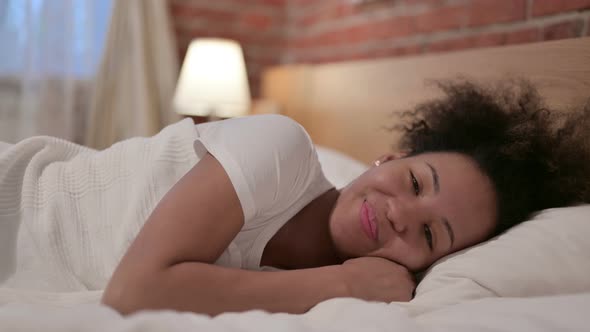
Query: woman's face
[{"x": 414, "y": 210}]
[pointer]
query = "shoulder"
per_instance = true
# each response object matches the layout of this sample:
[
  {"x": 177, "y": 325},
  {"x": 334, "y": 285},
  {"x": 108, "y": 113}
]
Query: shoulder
[
  {"x": 270, "y": 124},
  {"x": 269, "y": 132},
  {"x": 268, "y": 158},
  {"x": 284, "y": 132}
]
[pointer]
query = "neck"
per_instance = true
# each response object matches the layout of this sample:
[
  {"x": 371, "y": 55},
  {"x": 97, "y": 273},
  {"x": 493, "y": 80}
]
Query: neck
[{"x": 305, "y": 241}]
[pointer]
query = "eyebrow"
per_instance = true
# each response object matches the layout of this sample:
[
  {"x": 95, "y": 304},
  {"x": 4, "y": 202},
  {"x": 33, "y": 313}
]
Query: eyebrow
[
  {"x": 449, "y": 230},
  {"x": 434, "y": 178}
]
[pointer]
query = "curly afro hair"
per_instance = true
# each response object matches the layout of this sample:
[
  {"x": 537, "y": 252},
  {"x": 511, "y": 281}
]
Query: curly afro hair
[{"x": 537, "y": 158}]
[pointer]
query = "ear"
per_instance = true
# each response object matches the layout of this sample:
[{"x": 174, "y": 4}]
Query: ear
[{"x": 390, "y": 156}]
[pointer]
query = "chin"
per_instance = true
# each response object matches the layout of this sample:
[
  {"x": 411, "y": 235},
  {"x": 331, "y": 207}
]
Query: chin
[
  {"x": 349, "y": 247},
  {"x": 342, "y": 244}
]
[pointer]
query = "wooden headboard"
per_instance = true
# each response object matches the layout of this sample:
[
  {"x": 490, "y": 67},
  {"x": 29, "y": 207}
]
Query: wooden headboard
[{"x": 346, "y": 106}]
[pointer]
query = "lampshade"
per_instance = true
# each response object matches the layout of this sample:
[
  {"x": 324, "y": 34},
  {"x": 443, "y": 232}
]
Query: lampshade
[{"x": 213, "y": 80}]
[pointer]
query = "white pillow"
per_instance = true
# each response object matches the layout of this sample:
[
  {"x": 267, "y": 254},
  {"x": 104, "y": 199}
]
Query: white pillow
[
  {"x": 547, "y": 255},
  {"x": 339, "y": 168}
]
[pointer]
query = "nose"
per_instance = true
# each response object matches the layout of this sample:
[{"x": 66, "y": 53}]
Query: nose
[{"x": 404, "y": 216}]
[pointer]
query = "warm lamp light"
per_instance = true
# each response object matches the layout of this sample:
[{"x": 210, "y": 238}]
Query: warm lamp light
[{"x": 213, "y": 81}]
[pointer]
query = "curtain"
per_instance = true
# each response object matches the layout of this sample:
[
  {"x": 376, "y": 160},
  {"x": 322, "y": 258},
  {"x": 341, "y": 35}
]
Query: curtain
[
  {"x": 136, "y": 81},
  {"x": 50, "y": 53}
]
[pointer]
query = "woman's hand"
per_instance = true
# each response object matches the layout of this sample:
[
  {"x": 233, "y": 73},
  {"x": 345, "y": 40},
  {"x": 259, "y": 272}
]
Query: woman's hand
[{"x": 378, "y": 279}]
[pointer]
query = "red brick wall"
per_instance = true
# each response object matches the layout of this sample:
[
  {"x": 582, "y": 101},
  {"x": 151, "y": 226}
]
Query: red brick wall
[
  {"x": 295, "y": 31},
  {"x": 333, "y": 30},
  {"x": 257, "y": 24}
]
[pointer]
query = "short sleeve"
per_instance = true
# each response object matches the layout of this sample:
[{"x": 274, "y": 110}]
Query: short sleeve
[{"x": 269, "y": 159}]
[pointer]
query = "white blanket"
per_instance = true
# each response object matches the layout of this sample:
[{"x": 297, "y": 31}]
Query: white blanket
[{"x": 68, "y": 213}]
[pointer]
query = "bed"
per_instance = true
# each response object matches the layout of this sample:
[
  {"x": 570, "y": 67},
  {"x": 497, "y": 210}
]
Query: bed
[{"x": 534, "y": 277}]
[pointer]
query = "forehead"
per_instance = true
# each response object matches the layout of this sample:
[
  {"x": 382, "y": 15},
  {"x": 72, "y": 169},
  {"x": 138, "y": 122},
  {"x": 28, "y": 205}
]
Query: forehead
[
  {"x": 455, "y": 169},
  {"x": 450, "y": 162},
  {"x": 466, "y": 198}
]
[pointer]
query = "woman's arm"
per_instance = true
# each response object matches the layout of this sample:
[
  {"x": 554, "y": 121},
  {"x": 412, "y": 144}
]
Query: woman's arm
[
  {"x": 169, "y": 264},
  {"x": 211, "y": 289}
]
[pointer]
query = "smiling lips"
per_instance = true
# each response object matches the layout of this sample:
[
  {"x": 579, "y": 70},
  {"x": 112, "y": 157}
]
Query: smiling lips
[{"x": 368, "y": 222}]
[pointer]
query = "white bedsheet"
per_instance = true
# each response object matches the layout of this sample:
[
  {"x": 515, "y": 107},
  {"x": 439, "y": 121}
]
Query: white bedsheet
[
  {"x": 557, "y": 313},
  {"x": 551, "y": 313}
]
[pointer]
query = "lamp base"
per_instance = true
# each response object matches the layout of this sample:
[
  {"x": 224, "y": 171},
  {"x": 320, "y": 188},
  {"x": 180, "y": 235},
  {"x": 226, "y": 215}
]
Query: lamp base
[{"x": 198, "y": 119}]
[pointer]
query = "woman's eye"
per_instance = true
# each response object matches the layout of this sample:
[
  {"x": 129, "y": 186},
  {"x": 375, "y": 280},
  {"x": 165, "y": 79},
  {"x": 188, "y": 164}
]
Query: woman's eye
[
  {"x": 428, "y": 236},
  {"x": 415, "y": 184}
]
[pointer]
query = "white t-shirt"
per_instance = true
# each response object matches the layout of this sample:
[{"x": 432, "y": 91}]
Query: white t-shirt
[{"x": 274, "y": 168}]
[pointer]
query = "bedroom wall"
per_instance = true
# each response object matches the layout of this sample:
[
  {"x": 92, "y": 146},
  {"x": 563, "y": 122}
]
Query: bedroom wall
[
  {"x": 258, "y": 25},
  {"x": 312, "y": 31},
  {"x": 333, "y": 30}
]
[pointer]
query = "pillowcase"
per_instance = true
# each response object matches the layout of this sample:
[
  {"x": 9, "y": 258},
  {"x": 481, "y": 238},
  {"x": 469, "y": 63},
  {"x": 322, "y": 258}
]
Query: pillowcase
[
  {"x": 547, "y": 255},
  {"x": 339, "y": 168}
]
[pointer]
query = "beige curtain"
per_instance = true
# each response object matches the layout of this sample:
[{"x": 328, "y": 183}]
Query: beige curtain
[
  {"x": 136, "y": 81},
  {"x": 48, "y": 60}
]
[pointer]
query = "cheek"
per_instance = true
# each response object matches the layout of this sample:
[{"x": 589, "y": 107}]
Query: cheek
[
  {"x": 386, "y": 181},
  {"x": 404, "y": 254},
  {"x": 472, "y": 222}
]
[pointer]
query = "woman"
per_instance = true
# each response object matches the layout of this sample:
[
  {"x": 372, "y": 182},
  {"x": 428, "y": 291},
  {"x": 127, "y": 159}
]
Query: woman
[{"x": 479, "y": 162}]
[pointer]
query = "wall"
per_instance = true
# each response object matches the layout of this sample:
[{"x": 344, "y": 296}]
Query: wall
[
  {"x": 258, "y": 25},
  {"x": 332, "y": 30},
  {"x": 296, "y": 31}
]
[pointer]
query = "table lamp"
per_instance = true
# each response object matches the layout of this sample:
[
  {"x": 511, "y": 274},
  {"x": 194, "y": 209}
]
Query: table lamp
[{"x": 213, "y": 83}]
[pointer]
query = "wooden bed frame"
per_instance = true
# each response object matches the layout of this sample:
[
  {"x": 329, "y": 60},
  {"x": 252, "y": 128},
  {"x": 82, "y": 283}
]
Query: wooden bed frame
[{"x": 346, "y": 106}]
